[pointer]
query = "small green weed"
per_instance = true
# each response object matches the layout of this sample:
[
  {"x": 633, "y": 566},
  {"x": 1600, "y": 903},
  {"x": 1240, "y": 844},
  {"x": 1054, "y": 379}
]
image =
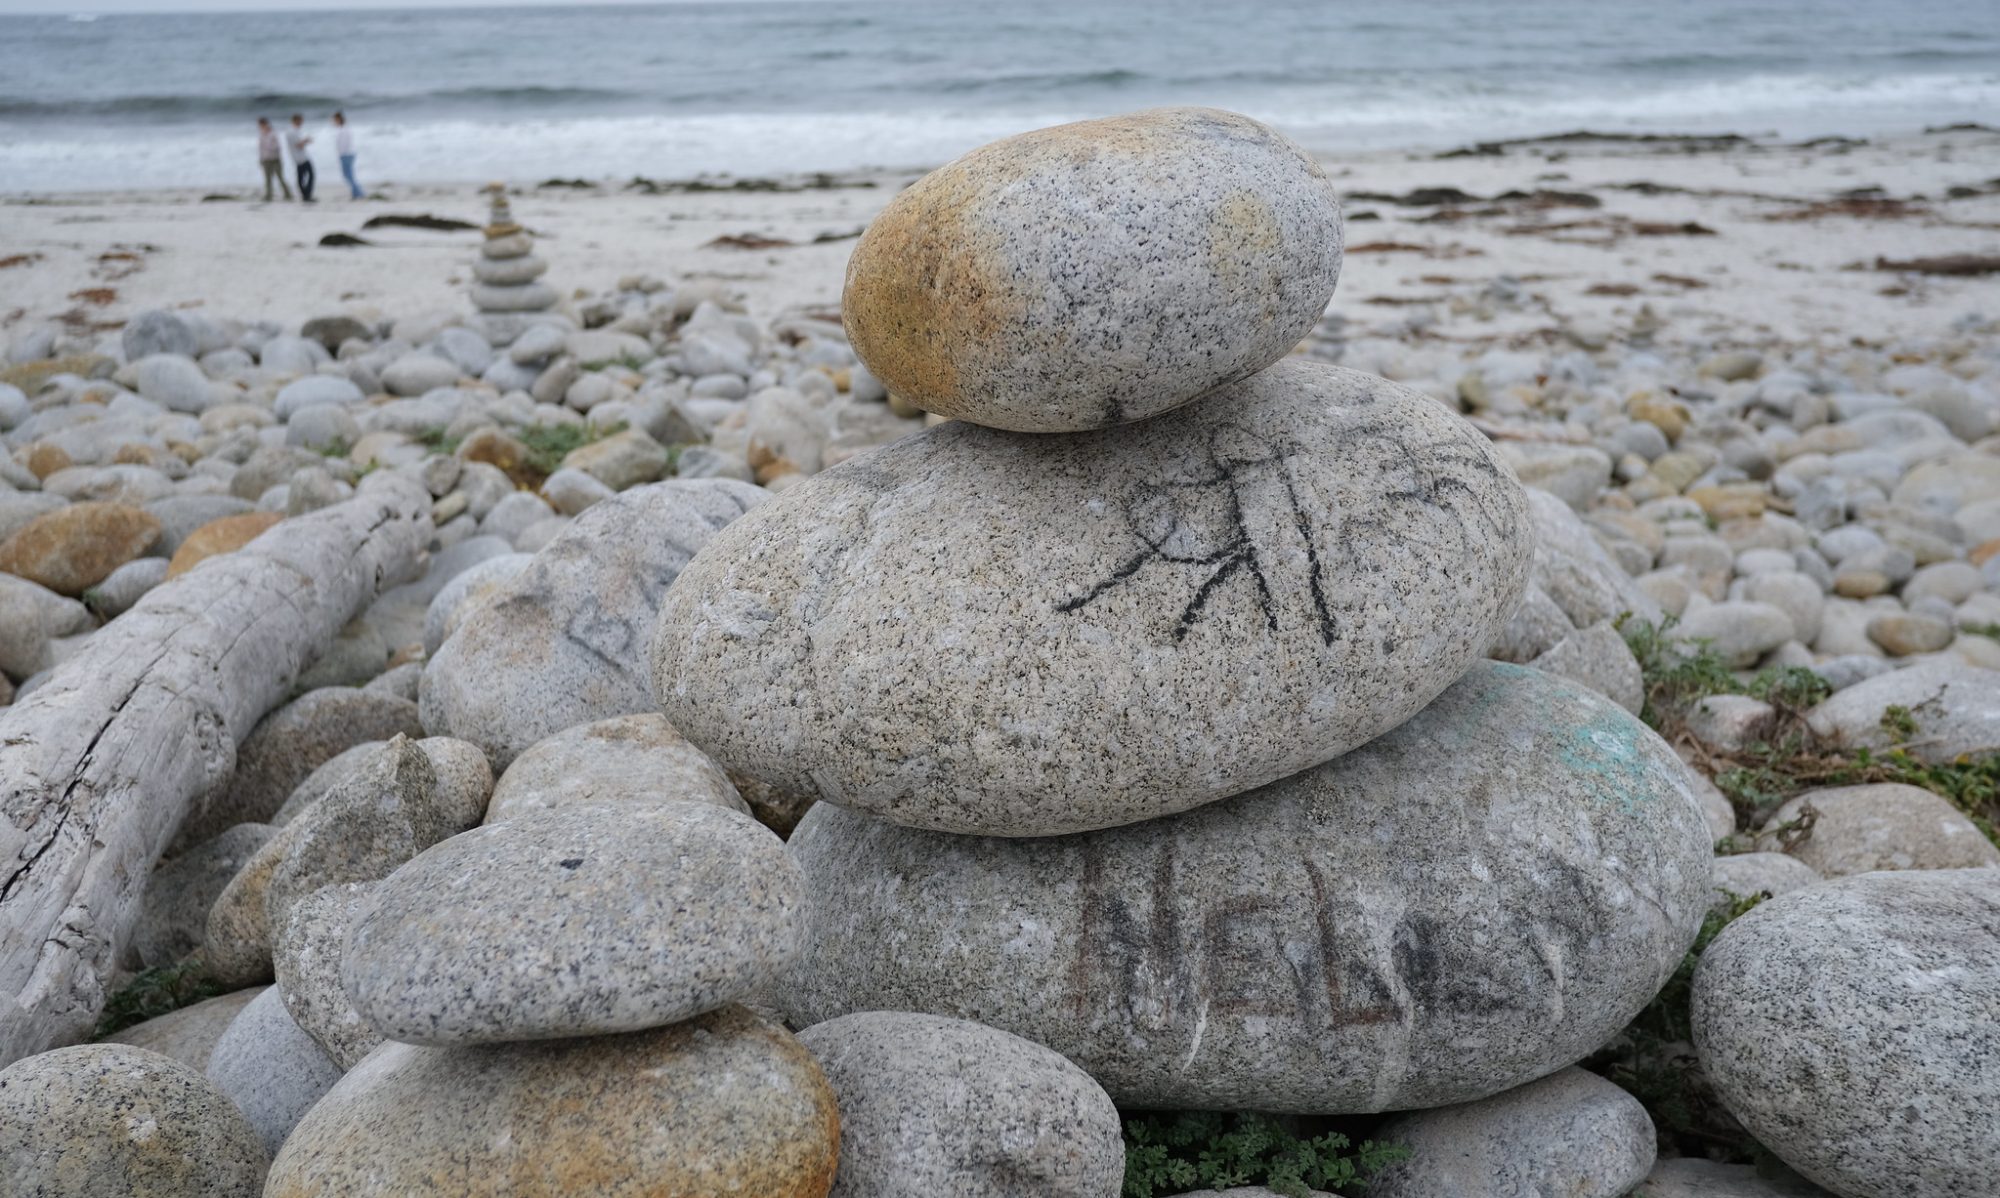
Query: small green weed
[
  {"x": 1679, "y": 674},
  {"x": 155, "y": 992},
  {"x": 627, "y": 361},
  {"x": 435, "y": 440},
  {"x": 1985, "y": 630},
  {"x": 339, "y": 447},
  {"x": 549, "y": 444},
  {"x": 1167, "y": 1152}
]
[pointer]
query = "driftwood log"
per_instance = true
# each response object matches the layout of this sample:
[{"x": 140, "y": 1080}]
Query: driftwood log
[{"x": 99, "y": 764}]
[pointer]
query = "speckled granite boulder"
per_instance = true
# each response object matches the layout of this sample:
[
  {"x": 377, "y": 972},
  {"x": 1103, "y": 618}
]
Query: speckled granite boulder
[
  {"x": 629, "y": 758},
  {"x": 173, "y": 912},
  {"x": 189, "y": 1034},
  {"x": 426, "y": 791},
  {"x": 111, "y": 1119},
  {"x": 1882, "y": 825},
  {"x": 995, "y": 633},
  {"x": 586, "y": 919},
  {"x": 1478, "y": 897},
  {"x": 270, "y": 1068},
  {"x": 1851, "y": 1027},
  {"x": 722, "y": 1104},
  {"x": 932, "y": 1106},
  {"x": 285, "y": 748},
  {"x": 1956, "y": 708},
  {"x": 1571, "y": 1133},
  {"x": 1095, "y": 273},
  {"x": 564, "y": 642},
  {"x": 394, "y": 804},
  {"x": 306, "y": 956}
]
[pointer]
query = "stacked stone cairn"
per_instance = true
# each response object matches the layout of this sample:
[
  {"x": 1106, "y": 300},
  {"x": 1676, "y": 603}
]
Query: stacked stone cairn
[
  {"x": 1145, "y": 698},
  {"x": 507, "y": 287}
]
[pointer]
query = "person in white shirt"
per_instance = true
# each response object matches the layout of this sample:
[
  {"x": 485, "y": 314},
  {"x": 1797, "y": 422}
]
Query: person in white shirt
[
  {"x": 343, "y": 145},
  {"x": 297, "y": 141},
  {"x": 270, "y": 158}
]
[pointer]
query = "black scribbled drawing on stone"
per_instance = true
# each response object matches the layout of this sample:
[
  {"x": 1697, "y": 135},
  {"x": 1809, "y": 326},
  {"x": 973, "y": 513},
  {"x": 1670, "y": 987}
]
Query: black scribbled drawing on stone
[
  {"x": 1199, "y": 524},
  {"x": 1240, "y": 517}
]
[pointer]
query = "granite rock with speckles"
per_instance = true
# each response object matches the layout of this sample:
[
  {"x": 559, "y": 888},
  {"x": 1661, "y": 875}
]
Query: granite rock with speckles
[
  {"x": 932, "y": 1106},
  {"x": 628, "y": 758},
  {"x": 287, "y": 745},
  {"x": 563, "y": 642},
  {"x": 189, "y": 1034},
  {"x": 270, "y": 1068},
  {"x": 1571, "y": 1133},
  {"x": 1003, "y": 634},
  {"x": 1880, "y": 825},
  {"x": 306, "y": 956},
  {"x": 722, "y": 1104},
  {"x": 584, "y": 919},
  {"x": 392, "y": 804},
  {"x": 420, "y": 793},
  {"x": 1095, "y": 273},
  {"x": 1484, "y": 894},
  {"x": 1850, "y": 1027},
  {"x": 104, "y": 1119},
  {"x": 1955, "y": 706}
]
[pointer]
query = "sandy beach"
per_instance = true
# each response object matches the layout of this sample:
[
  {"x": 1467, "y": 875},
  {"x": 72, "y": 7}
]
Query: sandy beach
[{"x": 1725, "y": 241}]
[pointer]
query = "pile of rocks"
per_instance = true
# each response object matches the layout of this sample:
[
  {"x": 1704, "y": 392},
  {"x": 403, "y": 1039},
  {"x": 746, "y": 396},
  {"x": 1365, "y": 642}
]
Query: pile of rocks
[
  {"x": 1144, "y": 698},
  {"x": 1145, "y": 695},
  {"x": 508, "y": 290}
]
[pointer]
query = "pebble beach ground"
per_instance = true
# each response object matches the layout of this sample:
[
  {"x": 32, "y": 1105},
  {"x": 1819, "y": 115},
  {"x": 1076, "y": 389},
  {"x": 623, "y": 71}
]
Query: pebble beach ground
[{"x": 1172, "y": 747}]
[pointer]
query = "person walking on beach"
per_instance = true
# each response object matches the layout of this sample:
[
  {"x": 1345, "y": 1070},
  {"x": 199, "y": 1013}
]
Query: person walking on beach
[
  {"x": 296, "y": 140},
  {"x": 343, "y": 145},
  {"x": 270, "y": 158}
]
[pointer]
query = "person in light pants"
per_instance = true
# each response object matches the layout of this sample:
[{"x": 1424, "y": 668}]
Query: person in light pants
[
  {"x": 343, "y": 145},
  {"x": 271, "y": 158}
]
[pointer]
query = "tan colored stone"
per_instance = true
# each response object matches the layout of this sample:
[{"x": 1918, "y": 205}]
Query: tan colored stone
[
  {"x": 226, "y": 535},
  {"x": 1984, "y": 552},
  {"x": 43, "y": 459},
  {"x": 74, "y": 548},
  {"x": 1041, "y": 283},
  {"x": 1731, "y": 501},
  {"x": 1666, "y": 415},
  {"x": 98, "y": 1120},
  {"x": 497, "y": 448},
  {"x": 725, "y": 1104}
]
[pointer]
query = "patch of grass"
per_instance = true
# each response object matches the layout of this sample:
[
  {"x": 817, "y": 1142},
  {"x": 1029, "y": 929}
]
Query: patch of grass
[
  {"x": 549, "y": 444},
  {"x": 632, "y": 362},
  {"x": 437, "y": 441},
  {"x": 1792, "y": 757},
  {"x": 1653, "y": 1059},
  {"x": 339, "y": 447},
  {"x": 155, "y": 992},
  {"x": 1680, "y": 673},
  {"x": 1171, "y": 1151},
  {"x": 1986, "y": 630}
]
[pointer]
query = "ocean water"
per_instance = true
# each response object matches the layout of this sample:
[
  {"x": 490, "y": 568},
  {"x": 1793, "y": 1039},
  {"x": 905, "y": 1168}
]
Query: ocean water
[{"x": 757, "y": 87}]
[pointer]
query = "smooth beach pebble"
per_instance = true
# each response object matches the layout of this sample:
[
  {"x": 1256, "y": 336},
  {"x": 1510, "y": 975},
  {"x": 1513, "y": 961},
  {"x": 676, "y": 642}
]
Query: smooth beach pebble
[
  {"x": 589, "y": 918},
  {"x": 1483, "y": 895},
  {"x": 932, "y": 1106},
  {"x": 1096, "y": 273},
  {"x": 110, "y": 1119},
  {"x": 997, "y": 633},
  {"x": 629, "y": 758},
  {"x": 726, "y": 1104}
]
